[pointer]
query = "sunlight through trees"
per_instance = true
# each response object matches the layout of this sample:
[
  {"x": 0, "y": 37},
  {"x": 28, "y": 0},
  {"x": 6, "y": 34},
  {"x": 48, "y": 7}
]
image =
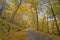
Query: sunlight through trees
[{"x": 41, "y": 15}]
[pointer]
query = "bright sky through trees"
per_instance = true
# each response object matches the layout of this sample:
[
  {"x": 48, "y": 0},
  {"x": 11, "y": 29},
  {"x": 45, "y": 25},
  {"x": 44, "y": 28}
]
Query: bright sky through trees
[{"x": 40, "y": 15}]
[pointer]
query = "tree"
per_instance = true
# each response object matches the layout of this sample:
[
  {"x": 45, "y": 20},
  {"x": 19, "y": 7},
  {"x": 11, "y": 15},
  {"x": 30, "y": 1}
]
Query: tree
[
  {"x": 54, "y": 17},
  {"x": 34, "y": 4},
  {"x": 16, "y": 10},
  {"x": 1, "y": 9}
]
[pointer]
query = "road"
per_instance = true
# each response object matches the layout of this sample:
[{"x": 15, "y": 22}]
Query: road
[{"x": 35, "y": 36}]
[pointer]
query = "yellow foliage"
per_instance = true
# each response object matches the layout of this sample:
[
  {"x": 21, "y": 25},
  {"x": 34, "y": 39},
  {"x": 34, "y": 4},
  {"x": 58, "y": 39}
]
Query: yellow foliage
[
  {"x": 12, "y": 34},
  {"x": 23, "y": 9},
  {"x": 14, "y": 2},
  {"x": 10, "y": 8},
  {"x": 8, "y": 14},
  {"x": 0, "y": 0}
]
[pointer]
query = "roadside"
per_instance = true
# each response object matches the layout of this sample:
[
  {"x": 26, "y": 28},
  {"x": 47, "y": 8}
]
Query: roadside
[
  {"x": 32, "y": 35},
  {"x": 54, "y": 37}
]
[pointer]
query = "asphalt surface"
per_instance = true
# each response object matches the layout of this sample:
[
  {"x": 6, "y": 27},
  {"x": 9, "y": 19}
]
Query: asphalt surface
[{"x": 32, "y": 35}]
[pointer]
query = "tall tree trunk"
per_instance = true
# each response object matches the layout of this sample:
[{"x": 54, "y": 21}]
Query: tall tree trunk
[
  {"x": 59, "y": 2},
  {"x": 36, "y": 16},
  {"x": 1, "y": 11},
  {"x": 53, "y": 27},
  {"x": 43, "y": 22},
  {"x": 16, "y": 10},
  {"x": 37, "y": 19},
  {"x": 54, "y": 18},
  {"x": 47, "y": 25}
]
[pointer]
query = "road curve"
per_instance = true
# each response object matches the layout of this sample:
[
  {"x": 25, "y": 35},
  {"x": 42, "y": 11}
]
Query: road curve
[{"x": 32, "y": 35}]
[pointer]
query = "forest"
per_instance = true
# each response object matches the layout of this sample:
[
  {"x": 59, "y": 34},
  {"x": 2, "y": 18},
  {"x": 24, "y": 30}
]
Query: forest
[{"x": 21, "y": 15}]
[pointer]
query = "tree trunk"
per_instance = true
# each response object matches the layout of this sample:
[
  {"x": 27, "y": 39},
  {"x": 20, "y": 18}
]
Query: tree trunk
[
  {"x": 16, "y": 11},
  {"x": 47, "y": 25},
  {"x": 0, "y": 11},
  {"x": 43, "y": 22},
  {"x": 53, "y": 27},
  {"x": 59, "y": 2},
  {"x": 54, "y": 18},
  {"x": 37, "y": 19}
]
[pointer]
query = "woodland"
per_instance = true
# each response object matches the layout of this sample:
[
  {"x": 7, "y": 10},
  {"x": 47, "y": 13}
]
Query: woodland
[{"x": 40, "y": 15}]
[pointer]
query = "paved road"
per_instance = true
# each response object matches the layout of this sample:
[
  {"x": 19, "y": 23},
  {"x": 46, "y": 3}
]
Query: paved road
[{"x": 35, "y": 36}]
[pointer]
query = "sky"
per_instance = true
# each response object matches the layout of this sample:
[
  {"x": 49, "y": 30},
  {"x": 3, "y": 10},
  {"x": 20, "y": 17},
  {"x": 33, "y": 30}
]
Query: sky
[{"x": 43, "y": 7}]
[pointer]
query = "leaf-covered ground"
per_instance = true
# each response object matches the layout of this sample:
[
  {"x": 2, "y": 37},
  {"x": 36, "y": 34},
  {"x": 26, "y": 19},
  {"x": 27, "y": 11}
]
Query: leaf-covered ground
[
  {"x": 54, "y": 37},
  {"x": 9, "y": 31}
]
